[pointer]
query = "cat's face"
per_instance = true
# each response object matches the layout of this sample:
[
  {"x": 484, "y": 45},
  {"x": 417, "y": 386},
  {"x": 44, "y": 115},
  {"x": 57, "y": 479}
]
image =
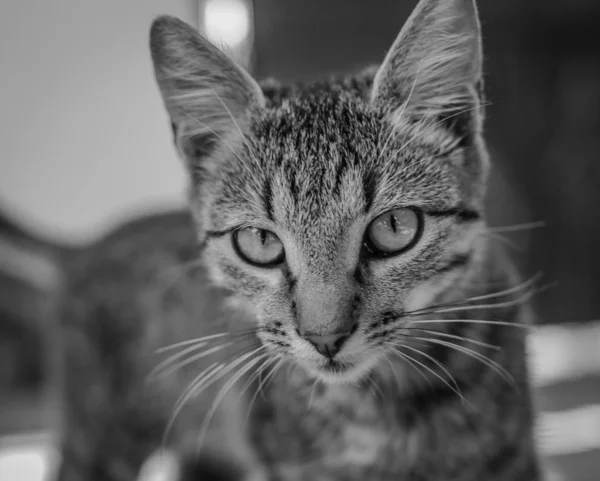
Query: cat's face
[
  {"x": 329, "y": 231},
  {"x": 331, "y": 215}
]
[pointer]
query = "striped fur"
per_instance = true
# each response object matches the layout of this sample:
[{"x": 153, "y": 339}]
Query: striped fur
[{"x": 432, "y": 383}]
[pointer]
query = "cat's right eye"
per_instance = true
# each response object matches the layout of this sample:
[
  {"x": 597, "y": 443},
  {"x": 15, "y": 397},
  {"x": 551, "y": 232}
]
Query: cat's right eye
[
  {"x": 394, "y": 232},
  {"x": 258, "y": 247}
]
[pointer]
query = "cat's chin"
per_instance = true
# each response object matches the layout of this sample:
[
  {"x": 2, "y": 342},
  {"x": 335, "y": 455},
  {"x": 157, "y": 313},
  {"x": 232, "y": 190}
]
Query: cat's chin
[{"x": 334, "y": 372}]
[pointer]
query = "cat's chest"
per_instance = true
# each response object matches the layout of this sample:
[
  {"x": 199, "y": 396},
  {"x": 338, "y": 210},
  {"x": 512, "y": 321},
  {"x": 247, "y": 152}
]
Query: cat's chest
[{"x": 333, "y": 429}]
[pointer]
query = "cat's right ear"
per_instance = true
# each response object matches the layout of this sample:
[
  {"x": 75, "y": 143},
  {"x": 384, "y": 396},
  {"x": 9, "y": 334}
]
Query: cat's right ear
[
  {"x": 433, "y": 69},
  {"x": 209, "y": 98}
]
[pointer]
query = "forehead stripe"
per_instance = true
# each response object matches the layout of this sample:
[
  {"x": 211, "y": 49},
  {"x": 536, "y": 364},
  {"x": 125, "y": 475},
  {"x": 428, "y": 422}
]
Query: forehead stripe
[
  {"x": 268, "y": 199},
  {"x": 369, "y": 189}
]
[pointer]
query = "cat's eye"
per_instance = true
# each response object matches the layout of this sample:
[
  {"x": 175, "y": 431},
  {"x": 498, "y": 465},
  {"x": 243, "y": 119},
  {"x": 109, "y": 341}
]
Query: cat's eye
[
  {"x": 394, "y": 232},
  {"x": 259, "y": 247}
]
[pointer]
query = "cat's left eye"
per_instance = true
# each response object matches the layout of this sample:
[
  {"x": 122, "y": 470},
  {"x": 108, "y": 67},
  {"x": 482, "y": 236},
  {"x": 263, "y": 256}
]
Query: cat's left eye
[
  {"x": 394, "y": 232},
  {"x": 258, "y": 247}
]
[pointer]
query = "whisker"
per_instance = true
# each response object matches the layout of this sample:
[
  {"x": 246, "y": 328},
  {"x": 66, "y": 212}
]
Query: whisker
[
  {"x": 221, "y": 395},
  {"x": 257, "y": 374},
  {"x": 524, "y": 285},
  {"x": 411, "y": 362},
  {"x": 229, "y": 367},
  {"x": 370, "y": 382},
  {"x": 378, "y": 389},
  {"x": 518, "y": 227},
  {"x": 312, "y": 393},
  {"x": 260, "y": 378},
  {"x": 199, "y": 383},
  {"x": 187, "y": 394},
  {"x": 473, "y": 321},
  {"x": 163, "y": 369},
  {"x": 176, "y": 356},
  {"x": 204, "y": 380},
  {"x": 190, "y": 341},
  {"x": 272, "y": 363},
  {"x": 438, "y": 364},
  {"x": 458, "y": 393},
  {"x": 270, "y": 376},
  {"x": 501, "y": 371},
  {"x": 454, "y": 336},
  {"x": 398, "y": 383},
  {"x": 374, "y": 387},
  {"x": 466, "y": 304},
  {"x": 503, "y": 239},
  {"x": 264, "y": 382},
  {"x": 236, "y": 333},
  {"x": 470, "y": 307}
]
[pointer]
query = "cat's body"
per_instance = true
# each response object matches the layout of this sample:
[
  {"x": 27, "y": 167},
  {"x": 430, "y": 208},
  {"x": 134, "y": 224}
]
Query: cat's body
[{"x": 358, "y": 293}]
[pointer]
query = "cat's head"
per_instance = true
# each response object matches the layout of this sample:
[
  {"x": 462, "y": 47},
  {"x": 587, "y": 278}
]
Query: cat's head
[{"x": 334, "y": 213}]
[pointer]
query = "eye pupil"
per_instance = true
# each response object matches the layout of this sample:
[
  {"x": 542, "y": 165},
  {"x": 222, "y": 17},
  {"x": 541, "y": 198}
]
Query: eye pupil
[{"x": 393, "y": 222}]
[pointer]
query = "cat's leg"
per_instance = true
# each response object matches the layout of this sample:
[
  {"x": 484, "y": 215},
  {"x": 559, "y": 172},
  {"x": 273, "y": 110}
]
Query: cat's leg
[
  {"x": 113, "y": 451},
  {"x": 106, "y": 466},
  {"x": 109, "y": 426}
]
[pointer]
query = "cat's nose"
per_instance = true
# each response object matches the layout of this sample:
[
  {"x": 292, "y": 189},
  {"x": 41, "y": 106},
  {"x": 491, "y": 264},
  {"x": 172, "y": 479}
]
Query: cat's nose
[{"x": 328, "y": 345}]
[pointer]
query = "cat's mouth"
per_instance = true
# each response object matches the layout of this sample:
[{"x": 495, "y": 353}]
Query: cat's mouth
[
  {"x": 340, "y": 372},
  {"x": 336, "y": 367},
  {"x": 335, "y": 372}
]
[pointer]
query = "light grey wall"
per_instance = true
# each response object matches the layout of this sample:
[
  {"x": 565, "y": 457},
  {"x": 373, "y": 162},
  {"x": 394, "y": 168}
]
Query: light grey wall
[{"x": 84, "y": 140}]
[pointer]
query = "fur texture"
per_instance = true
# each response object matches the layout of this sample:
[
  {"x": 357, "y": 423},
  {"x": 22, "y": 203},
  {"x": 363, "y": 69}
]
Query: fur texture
[{"x": 430, "y": 382}]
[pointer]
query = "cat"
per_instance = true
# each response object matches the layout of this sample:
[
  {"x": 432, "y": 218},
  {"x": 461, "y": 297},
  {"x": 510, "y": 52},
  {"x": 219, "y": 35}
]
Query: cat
[{"x": 331, "y": 308}]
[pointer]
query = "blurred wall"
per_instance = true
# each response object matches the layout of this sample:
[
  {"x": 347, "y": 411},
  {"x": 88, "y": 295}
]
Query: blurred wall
[{"x": 84, "y": 139}]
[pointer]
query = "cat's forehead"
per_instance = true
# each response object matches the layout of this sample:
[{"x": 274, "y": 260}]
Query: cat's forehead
[
  {"x": 325, "y": 121},
  {"x": 338, "y": 147},
  {"x": 316, "y": 153},
  {"x": 326, "y": 161}
]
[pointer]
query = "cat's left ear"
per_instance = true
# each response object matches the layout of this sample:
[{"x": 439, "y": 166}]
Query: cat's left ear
[
  {"x": 209, "y": 98},
  {"x": 433, "y": 69}
]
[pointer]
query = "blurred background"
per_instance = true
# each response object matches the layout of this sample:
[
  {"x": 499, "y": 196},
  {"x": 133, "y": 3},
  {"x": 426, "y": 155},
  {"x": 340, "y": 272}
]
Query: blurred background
[{"x": 85, "y": 145}]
